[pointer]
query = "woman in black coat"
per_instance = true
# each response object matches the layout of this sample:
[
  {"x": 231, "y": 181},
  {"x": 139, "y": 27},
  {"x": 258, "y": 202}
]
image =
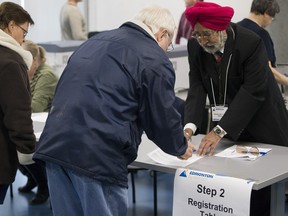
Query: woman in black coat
[{"x": 17, "y": 140}]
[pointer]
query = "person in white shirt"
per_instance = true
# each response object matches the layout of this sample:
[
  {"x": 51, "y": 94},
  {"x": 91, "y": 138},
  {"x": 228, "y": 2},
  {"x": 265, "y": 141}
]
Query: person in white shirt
[{"x": 72, "y": 22}]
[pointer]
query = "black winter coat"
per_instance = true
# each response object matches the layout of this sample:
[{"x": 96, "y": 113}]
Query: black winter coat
[{"x": 16, "y": 128}]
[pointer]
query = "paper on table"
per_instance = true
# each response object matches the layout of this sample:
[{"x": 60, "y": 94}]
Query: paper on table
[
  {"x": 39, "y": 117},
  {"x": 231, "y": 153},
  {"x": 163, "y": 158}
]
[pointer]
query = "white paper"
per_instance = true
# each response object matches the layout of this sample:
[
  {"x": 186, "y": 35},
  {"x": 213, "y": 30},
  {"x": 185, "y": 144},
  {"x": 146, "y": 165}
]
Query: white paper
[
  {"x": 231, "y": 153},
  {"x": 39, "y": 117},
  {"x": 37, "y": 135},
  {"x": 163, "y": 158}
]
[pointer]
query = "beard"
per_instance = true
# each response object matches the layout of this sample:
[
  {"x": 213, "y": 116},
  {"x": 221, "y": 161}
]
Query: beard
[
  {"x": 214, "y": 47},
  {"x": 210, "y": 48}
]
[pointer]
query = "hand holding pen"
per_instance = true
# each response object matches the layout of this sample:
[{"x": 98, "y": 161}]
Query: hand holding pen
[{"x": 190, "y": 148}]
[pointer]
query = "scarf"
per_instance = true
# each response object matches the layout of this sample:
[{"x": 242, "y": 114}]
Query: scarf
[{"x": 9, "y": 42}]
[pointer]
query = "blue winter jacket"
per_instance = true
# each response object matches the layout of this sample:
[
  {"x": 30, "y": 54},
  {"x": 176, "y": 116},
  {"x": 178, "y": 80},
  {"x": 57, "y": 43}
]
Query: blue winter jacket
[{"x": 115, "y": 85}]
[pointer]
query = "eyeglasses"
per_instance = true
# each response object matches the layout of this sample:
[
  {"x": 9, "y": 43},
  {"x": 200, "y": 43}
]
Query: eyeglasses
[
  {"x": 170, "y": 47},
  {"x": 24, "y": 31},
  {"x": 245, "y": 150},
  {"x": 204, "y": 35}
]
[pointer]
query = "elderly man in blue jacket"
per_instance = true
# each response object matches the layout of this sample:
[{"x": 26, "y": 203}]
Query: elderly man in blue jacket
[{"x": 117, "y": 84}]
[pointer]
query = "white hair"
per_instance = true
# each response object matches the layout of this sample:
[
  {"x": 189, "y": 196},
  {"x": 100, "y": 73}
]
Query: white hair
[{"x": 157, "y": 18}]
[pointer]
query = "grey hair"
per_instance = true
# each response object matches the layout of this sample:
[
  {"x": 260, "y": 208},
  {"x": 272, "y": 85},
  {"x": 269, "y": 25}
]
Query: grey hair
[
  {"x": 157, "y": 18},
  {"x": 271, "y": 7}
]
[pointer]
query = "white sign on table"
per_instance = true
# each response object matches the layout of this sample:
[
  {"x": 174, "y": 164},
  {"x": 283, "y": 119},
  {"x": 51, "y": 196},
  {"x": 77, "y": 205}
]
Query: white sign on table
[{"x": 205, "y": 194}]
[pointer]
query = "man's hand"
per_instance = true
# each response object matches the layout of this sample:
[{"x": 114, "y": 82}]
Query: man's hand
[
  {"x": 188, "y": 152},
  {"x": 208, "y": 144},
  {"x": 188, "y": 134}
]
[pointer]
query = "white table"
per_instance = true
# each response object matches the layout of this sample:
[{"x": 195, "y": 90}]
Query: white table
[{"x": 271, "y": 169}]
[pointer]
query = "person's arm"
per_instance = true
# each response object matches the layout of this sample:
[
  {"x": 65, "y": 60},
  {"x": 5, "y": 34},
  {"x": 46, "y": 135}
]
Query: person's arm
[
  {"x": 280, "y": 78},
  {"x": 161, "y": 121},
  {"x": 196, "y": 97}
]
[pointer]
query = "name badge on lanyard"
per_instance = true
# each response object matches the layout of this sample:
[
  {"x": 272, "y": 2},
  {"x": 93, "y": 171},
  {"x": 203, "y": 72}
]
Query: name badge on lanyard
[{"x": 218, "y": 112}]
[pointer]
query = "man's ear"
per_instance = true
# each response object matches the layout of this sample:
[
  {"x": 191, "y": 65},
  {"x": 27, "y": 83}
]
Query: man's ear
[{"x": 160, "y": 34}]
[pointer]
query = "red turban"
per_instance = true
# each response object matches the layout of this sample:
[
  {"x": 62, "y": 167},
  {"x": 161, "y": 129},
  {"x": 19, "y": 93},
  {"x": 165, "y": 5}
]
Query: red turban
[{"x": 209, "y": 15}]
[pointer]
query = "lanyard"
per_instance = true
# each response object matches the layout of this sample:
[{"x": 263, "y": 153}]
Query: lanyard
[{"x": 226, "y": 80}]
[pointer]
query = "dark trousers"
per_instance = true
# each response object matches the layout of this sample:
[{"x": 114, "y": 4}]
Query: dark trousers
[
  {"x": 260, "y": 202},
  {"x": 3, "y": 191},
  {"x": 35, "y": 172}
]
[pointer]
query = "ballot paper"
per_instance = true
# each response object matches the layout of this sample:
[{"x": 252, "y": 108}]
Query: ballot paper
[
  {"x": 232, "y": 153},
  {"x": 163, "y": 158}
]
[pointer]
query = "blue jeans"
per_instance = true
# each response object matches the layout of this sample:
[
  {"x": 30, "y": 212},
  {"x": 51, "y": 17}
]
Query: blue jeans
[{"x": 75, "y": 195}]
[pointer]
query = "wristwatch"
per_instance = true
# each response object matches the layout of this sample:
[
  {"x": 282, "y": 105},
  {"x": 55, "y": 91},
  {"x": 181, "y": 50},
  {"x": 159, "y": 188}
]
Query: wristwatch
[{"x": 219, "y": 131}]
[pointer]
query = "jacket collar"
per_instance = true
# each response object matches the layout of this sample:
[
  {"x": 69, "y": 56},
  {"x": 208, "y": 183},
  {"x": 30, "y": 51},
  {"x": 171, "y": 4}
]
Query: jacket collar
[{"x": 141, "y": 26}]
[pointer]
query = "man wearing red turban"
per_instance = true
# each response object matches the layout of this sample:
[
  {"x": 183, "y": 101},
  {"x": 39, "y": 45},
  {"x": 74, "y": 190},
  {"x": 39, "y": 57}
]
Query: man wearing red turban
[
  {"x": 209, "y": 15},
  {"x": 246, "y": 102}
]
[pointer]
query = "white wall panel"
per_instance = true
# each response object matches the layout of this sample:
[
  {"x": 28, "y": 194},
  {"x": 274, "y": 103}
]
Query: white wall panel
[{"x": 105, "y": 14}]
